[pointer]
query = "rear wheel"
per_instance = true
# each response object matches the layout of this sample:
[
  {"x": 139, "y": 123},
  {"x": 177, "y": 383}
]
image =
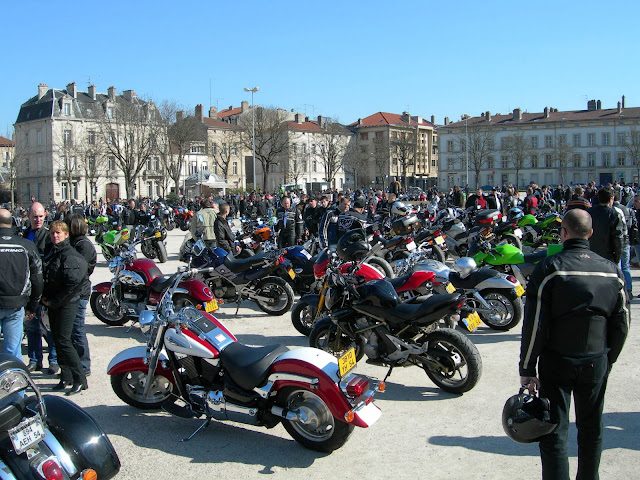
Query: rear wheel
[
  {"x": 279, "y": 294},
  {"x": 337, "y": 344},
  {"x": 461, "y": 363},
  {"x": 148, "y": 250},
  {"x": 303, "y": 316},
  {"x": 170, "y": 225},
  {"x": 315, "y": 428},
  {"x": 161, "y": 250},
  {"x": 106, "y": 310},
  {"x": 511, "y": 240},
  {"x": 181, "y": 300},
  {"x": 434, "y": 252},
  {"x": 507, "y": 309},
  {"x": 381, "y": 265},
  {"x": 129, "y": 387}
]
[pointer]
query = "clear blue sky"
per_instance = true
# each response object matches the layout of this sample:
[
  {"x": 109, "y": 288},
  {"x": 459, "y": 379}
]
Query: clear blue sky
[{"x": 334, "y": 58}]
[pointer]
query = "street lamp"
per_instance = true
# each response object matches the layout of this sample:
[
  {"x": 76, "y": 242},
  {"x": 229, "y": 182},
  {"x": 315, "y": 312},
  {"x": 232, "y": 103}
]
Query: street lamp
[
  {"x": 253, "y": 132},
  {"x": 466, "y": 148}
]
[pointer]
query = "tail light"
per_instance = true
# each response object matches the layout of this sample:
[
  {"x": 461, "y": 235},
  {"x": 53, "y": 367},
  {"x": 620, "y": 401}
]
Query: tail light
[
  {"x": 51, "y": 470},
  {"x": 462, "y": 301},
  {"x": 512, "y": 279},
  {"x": 437, "y": 233},
  {"x": 357, "y": 386},
  {"x": 280, "y": 259}
]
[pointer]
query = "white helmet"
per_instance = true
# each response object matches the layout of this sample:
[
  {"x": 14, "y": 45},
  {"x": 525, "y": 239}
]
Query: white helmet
[{"x": 399, "y": 209}]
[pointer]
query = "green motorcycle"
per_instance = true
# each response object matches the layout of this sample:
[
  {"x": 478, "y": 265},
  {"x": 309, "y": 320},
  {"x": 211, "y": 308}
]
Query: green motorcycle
[
  {"x": 536, "y": 233},
  {"x": 110, "y": 242}
]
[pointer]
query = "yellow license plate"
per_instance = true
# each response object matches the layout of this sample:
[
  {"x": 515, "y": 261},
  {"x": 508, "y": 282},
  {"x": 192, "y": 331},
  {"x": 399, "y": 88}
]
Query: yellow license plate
[
  {"x": 439, "y": 240},
  {"x": 347, "y": 362},
  {"x": 450, "y": 288},
  {"x": 519, "y": 290},
  {"x": 472, "y": 321},
  {"x": 211, "y": 305},
  {"x": 291, "y": 273},
  {"x": 158, "y": 234}
]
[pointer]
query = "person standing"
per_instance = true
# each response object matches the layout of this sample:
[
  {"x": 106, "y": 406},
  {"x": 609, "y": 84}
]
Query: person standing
[
  {"x": 79, "y": 241},
  {"x": 39, "y": 235},
  {"x": 289, "y": 226},
  {"x": 576, "y": 321},
  {"x": 129, "y": 216},
  {"x": 224, "y": 236},
  {"x": 394, "y": 187},
  {"x": 328, "y": 228},
  {"x": 608, "y": 229},
  {"x": 628, "y": 219},
  {"x": 203, "y": 223},
  {"x": 458, "y": 197},
  {"x": 22, "y": 284},
  {"x": 65, "y": 272}
]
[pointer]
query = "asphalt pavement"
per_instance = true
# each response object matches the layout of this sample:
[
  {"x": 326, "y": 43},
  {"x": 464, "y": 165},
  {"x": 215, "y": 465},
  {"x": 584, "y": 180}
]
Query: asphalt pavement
[{"x": 423, "y": 432}]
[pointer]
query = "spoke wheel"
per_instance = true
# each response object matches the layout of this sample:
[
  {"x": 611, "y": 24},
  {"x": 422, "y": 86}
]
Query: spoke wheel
[{"x": 106, "y": 310}]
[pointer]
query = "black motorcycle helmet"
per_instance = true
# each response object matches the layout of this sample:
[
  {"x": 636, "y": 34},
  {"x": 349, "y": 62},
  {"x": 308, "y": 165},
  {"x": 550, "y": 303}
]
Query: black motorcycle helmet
[
  {"x": 353, "y": 245},
  {"x": 525, "y": 418}
]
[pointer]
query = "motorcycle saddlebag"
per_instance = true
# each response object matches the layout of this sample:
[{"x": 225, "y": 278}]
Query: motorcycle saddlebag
[
  {"x": 405, "y": 225},
  {"x": 486, "y": 217}
]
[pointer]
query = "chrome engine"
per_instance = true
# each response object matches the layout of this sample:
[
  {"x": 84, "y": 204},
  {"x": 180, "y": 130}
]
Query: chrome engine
[{"x": 214, "y": 405}]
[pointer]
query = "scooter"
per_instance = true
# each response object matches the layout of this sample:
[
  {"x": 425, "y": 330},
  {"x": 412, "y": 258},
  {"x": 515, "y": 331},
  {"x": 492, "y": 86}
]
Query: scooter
[{"x": 192, "y": 358}]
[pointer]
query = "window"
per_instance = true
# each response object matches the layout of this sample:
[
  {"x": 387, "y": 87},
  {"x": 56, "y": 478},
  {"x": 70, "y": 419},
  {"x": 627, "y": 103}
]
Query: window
[
  {"x": 450, "y": 164},
  {"x": 606, "y": 159},
  {"x": 576, "y": 139},
  {"x": 621, "y": 139},
  {"x": 65, "y": 191},
  {"x": 379, "y": 134},
  {"x": 548, "y": 141},
  {"x": 67, "y": 109},
  {"x": 534, "y": 161},
  {"x": 204, "y": 166},
  {"x": 364, "y": 136},
  {"x": 234, "y": 168},
  {"x": 548, "y": 161},
  {"x": 605, "y": 139},
  {"x": 490, "y": 163},
  {"x": 504, "y": 143},
  {"x": 39, "y": 164},
  {"x": 92, "y": 137},
  {"x": 26, "y": 139},
  {"x": 156, "y": 163},
  {"x": 224, "y": 149},
  {"x": 577, "y": 159},
  {"x": 39, "y": 137},
  {"x": 111, "y": 140},
  {"x": 463, "y": 145},
  {"x": 92, "y": 163},
  {"x": 314, "y": 166},
  {"x": 591, "y": 159},
  {"x": 463, "y": 164},
  {"x": 303, "y": 145},
  {"x": 197, "y": 149},
  {"x": 149, "y": 163},
  {"x": 591, "y": 139},
  {"x": 449, "y": 145},
  {"x": 214, "y": 148},
  {"x": 621, "y": 159},
  {"x": 490, "y": 144},
  {"x": 193, "y": 168},
  {"x": 562, "y": 139},
  {"x": 504, "y": 162},
  {"x": 150, "y": 189},
  {"x": 293, "y": 148},
  {"x": 322, "y": 149},
  {"x": 109, "y": 112},
  {"x": 112, "y": 163},
  {"x": 313, "y": 148},
  {"x": 534, "y": 142},
  {"x": 433, "y": 163}
]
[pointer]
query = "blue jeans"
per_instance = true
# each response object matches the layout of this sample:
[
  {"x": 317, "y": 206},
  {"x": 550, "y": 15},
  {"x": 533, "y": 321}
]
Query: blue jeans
[
  {"x": 34, "y": 340},
  {"x": 624, "y": 266},
  {"x": 79, "y": 336},
  {"x": 12, "y": 320}
]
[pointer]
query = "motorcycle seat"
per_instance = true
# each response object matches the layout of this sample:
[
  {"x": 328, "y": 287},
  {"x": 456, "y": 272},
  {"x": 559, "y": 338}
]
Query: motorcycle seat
[
  {"x": 535, "y": 257},
  {"x": 392, "y": 242},
  {"x": 472, "y": 280},
  {"x": 237, "y": 265},
  {"x": 12, "y": 407},
  {"x": 398, "y": 281},
  {"x": 160, "y": 284},
  {"x": 249, "y": 366},
  {"x": 409, "y": 312}
]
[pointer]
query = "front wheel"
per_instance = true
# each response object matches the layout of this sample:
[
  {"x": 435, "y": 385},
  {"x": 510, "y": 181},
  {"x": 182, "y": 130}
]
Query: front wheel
[
  {"x": 303, "y": 316},
  {"x": 106, "y": 310},
  {"x": 148, "y": 250},
  {"x": 511, "y": 240},
  {"x": 161, "y": 250},
  {"x": 170, "y": 225},
  {"x": 506, "y": 309},
  {"x": 327, "y": 338},
  {"x": 460, "y": 363},
  {"x": 279, "y": 294},
  {"x": 381, "y": 265},
  {"x": 315, "y": 428},
  {"x": 129, "y": 387}
]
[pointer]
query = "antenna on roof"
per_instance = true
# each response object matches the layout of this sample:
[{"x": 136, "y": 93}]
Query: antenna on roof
[{"x": 89, "y": 81}]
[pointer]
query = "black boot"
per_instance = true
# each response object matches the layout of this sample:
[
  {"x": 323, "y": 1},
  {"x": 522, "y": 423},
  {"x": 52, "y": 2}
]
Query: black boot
[
  {"x": 76, "y": 388},
  {"x": 60, "y": 386}
]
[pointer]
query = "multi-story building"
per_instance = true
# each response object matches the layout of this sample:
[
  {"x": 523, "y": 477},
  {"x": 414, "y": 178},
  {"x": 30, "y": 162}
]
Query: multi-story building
[
  {"x": 7, "y": 152},
  {"x": 390, "y": 144},
  {"x": 551, "y": 147}
]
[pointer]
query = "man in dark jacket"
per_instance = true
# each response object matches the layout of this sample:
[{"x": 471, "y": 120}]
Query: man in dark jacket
[
  {"x": 458, "y": 197},
  {"x": 224, "y": 236},
  {"x": 309, "y": 216},
  {"x": 354, "y": 218},
  {"x": 261, "y": 206},
  {"x": 576, "y": 321},
  {"x": 608, "y": 230},
  {"x": 328, "y": 228},
  {"x": 21, "y": 285},
  {"x": 289, "y": 224}
]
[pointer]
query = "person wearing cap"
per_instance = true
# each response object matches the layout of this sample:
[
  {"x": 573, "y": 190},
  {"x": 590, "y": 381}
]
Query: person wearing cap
[
  {"x": 493, "y": 200},
  {"x": 354, "y": 218}
]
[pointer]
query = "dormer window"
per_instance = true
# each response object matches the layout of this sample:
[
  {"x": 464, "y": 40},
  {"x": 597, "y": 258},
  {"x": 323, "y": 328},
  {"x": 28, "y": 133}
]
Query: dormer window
[{"x": 66, "y": 108}]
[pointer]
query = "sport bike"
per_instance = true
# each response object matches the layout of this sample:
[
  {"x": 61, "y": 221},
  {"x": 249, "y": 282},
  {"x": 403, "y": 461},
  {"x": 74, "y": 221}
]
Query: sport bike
[{"x": 194, "y": 367}]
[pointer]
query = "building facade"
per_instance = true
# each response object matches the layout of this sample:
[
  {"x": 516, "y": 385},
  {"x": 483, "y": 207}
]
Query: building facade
[
  {"x": 547, "y": 148},
  {"x": 7, "y": 153}
]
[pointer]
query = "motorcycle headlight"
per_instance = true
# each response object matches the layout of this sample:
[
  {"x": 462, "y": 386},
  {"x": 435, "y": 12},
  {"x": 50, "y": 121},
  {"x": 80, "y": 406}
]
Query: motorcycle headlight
[{"x": 146, "y": 319}]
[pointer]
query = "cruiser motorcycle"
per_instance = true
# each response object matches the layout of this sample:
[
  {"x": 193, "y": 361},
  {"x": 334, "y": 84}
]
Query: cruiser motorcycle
[
  {"x": 48, "y": 437},
  {"x": 193, "y": 367}
]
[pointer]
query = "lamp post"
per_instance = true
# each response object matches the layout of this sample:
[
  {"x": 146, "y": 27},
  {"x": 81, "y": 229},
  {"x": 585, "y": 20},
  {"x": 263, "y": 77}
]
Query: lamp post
[
  {"x": 466, "y": 149},
  {"x": 253, "y": 132}
]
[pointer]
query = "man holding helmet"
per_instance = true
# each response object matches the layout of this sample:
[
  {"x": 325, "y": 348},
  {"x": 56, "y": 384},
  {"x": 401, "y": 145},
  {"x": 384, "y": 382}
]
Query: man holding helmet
[{"x": 576, "y": 321}]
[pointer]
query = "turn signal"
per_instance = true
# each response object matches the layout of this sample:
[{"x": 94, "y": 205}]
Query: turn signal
[
  {"x": 382, "y": 386},
  {"x": 349, "y": 416},
  {"x": 52, "y": 471},
  {"x": 89, "y": 474}
]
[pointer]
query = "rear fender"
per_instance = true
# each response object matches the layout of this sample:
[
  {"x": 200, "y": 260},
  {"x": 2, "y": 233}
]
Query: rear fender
[
  {"x": 197, "y": 289},
  {"x": 103, "y": 287},
  {"x": 314, "y": 364},
  {"x": 312, "y": 300},
  {"x": 417, "y": 280},
  {"x": 134, "y": 360},
  {"x": 498, "y": 282}
]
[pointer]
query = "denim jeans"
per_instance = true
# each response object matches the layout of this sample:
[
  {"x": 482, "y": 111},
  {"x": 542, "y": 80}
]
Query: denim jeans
[
  {"x": 11, "y": 320},
  {"x": 624, "y": 266},
  {"x": 79, "y": 336},
  {"x": 34, "y": 340}
]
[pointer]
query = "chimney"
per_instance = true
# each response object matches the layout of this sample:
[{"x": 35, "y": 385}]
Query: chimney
[
  {"x": 212, "y": 112},
  {"x": 306, "y": 119},
  {"x": 71, "y": 89},
  {"x": 488, "y": 115},
  {"x": 179, "y": 115},
  {"x": 446, "y": 120},
  {"x": 111, "y": 92},
  {"x": 359, "y": 121},
  {"x": 622, "y": 101},
  {"x": 42, "y": 90},
  {"x": 619, "y": 107},
  {"x": 598, "y": 105},
  {"x": 298, "y": 118},
  {"x": 92, "y": 91},
  {"x": 129, "y": 95},
  {"x": 517, "y": 114},
  {"x": 320, "y": 120},
  {"x": 198, "y": 111},
  {"x": 230, "y": 107},
  {"x": 591, "y": 105},
  {"x": 244, "y": 105},
  {"x": 546, "y": 112},
  {"x": 433, "y": 119}
]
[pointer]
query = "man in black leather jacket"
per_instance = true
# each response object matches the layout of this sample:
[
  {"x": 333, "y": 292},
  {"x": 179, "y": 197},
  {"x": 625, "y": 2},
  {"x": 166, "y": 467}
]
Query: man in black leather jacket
[
  {"x": 289, "y": 224},
  {"x": 576, "y": 321},
  {"x": 224, "y": 236},
  {"x": 608, "y": 230}
]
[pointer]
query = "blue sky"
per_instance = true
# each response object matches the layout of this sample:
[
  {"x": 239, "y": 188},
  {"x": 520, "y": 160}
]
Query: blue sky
[{"x": 340, "y": 59}]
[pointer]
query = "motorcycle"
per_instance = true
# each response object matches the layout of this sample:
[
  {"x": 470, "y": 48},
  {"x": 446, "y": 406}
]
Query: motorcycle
[
  {"x": 112, "y": 241},
  {"x": 137, "y": 285},
  {"x": 183, "y": 218},
  {"x": 191, "y": 357},
  {"x": 369, "y": 319},
  {"x": 257, "y": 278},
  {"x": 153, "y": 245},
  {"x": 48, "y": 437}
]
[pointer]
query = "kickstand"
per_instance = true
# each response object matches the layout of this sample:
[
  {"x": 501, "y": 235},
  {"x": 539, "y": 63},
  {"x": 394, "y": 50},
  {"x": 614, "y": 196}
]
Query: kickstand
[
  {"x": 205, "y": 424},
  {"x": 237, "y": 308},
  {"x": 388, "y": 373}
]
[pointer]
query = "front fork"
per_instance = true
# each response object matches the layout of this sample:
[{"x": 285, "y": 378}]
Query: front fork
[{"x": 152, "y": 357}]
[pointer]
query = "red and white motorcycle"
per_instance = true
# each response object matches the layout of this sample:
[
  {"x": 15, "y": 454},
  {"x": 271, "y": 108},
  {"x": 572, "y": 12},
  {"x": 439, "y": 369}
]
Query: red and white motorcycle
[{"x": 192, "y": 366}]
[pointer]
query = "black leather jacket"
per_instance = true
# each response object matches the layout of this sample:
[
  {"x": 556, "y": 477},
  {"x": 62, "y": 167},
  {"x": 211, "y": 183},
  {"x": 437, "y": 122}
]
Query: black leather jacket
[
  {"x": 576, "y": 307},
  {"x": 293, "y": 229},
  {"x": 84, "y": 247},
  {"x": 21, "y": 284},
  {"x": 224, "y": 236},
  {"x": 608, "y": 232},
  {"x": 65, "y": 271}
]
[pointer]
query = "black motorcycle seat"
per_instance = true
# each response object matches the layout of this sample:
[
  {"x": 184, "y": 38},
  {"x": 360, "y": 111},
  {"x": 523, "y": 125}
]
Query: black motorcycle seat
[
  {"x": 398, "y": 281},
  {"x": 410, "y": 312},
  {"x": 160, "y": 284},
  {"x": 11, "y": 407},
  {"x": 535, "y": 257},
  {"x": 243, "y": 264},
  {"x": 472, "y": 280},
  {"x": 249, "y": 366},
  {"x": 392, "y": 242}
]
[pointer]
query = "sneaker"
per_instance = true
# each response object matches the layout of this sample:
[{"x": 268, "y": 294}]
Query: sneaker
[
  {"x": 34, "y": 367},
  {"x": 53, "y": 369}
]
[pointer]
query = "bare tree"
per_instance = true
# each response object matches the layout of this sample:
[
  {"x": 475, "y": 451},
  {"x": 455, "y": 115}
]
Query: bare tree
[
  {"x": 14, "y": 165},
  {"x": 632, "y": 147},
  {"x": 295, "y": 163},
  {"x": 562, "y": 155},
  {"x": 225, "y": 149},
  {"x": 518, "y": 148},
  {"x": 381, "y": 158},
  {"x": 68, "y": 148},
  {"x": 480, "y": 142},
  {"x": 95, "y": 163},
  {"x": 403, "y": 150},
  {"x": 271, "y": 137},
  {"x": 334, "y": 141}
]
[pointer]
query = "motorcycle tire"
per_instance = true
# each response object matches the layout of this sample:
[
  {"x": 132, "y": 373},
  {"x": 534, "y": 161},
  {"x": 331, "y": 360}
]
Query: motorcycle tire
[
  {"x": 129, "y": 388},
  {"x": 326, "y": 433},
  {"x": 148, "y": 250},
  {"x": 170, "y": 226},
  {"x": 275, "y": 288},
  {"x": 302, "y": 317},
  {"x": 381, "y": 265},
  {"x": 437, "y": 254},
  {"x": 325, "y": 338},
  {"x": 180, "y": 300},
  {"x": 508, "y": 304},
  {"x": 456, "y": 352},
  {"x": 97, "y": 302},
  {"x": 161, "y": 250},
  {"x": 511, "y": 240},
  {"x": 184, "y": 226}
]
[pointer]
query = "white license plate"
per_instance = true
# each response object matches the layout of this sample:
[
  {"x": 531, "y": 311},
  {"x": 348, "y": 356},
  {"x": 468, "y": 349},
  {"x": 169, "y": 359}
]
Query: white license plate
[
  {"x": 26, "y": 434},
  {"x": 518, "y": 233},
  {"x": 306, "y": 254},
  {"x": 439, "y": 240},
  {"x": 411, "y": 246}
]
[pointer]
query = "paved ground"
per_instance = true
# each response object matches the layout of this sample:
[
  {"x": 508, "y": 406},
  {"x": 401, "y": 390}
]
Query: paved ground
[{"x": 423, "y": 432}]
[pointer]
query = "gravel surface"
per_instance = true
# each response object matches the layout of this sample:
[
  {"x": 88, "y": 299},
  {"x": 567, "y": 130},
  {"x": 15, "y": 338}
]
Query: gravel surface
[{"x": 423, "y": 432}]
